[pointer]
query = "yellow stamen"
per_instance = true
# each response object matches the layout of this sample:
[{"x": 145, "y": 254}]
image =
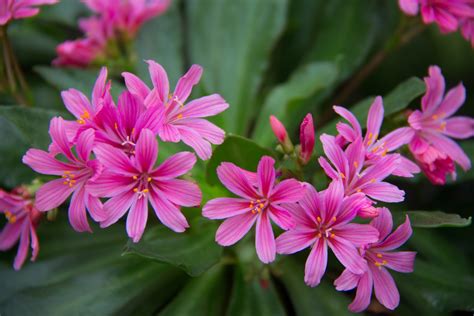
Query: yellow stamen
[
  {"x": 334, "y": 218},
  {"x": 384, "y": 262},
  {"x": 12, "y": 219},
  {"x": 342, "y": 175},
  {"x": 372, "y": 181},
  {"x": 319, "y": 235},
  {"x": 434, "y": 117},
  {"x": 442, "y": 126},
  {"x": 379, "y": 255},
  {"x": 145, "y": 191},
  {"x": 384, "y": 153},
  {"x": 260, "y": 205},
  {"x": 356, "y": 164},
  {"x": 332, "y": 235},
  {"x": 135, "y": 177},
  {"x": 149, "y": 179},
  {"x": 359, "y": 190},
  {"x": 116, "y": 125},
  {"x": 319, "y": 219},
  {"x": 133, "y": 130},
  {"x": 135, "y": 190},
  {"x": 180, "y": 116}
]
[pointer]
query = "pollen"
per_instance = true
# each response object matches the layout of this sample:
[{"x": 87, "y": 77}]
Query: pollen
[
  {"x": 116, "y": 125},
  {"x": 342, "y": 175},
  {"x": 356, "y": 164},
  {"x": 372, "y": 181},
  {"x": 10, "y": 217},
  {"x": 149, "y": 179},
  {"x": 135, "y": 177},
  {"x": 180, "y": 116},
  {"x": 334, "y": 218},
  {"x": 332, "y": 235},
  {"x": 84, "y": 116},
  {"x": 319, "y": 219},
  {"x": 434, "y": 117},
  {"x": 379, "y": 255},
  {"x": 442, "y": 126},
  {"x": 145, "y": 190},
  {"x": 135, "y": 190},
  {"x": 320, "y": 235},
  {"x": 384, "y": 153}
]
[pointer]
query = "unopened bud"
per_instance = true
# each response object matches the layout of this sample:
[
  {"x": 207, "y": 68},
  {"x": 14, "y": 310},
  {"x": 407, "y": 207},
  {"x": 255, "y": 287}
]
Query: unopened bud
[
  {"x": 306, "y": 139},
  {"x": 281, "y": 134}
]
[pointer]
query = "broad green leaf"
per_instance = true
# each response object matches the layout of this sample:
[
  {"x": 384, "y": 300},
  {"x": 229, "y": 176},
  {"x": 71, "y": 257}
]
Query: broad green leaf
[
  {"x": 204, "y": 296},
  {"x": 232, "y": 40},
  {"x": 321, "y": 300},
  {"x": 238, "y": 150},
  {"x": 434, "y": 219},
  {"x": 79, "y": 274},
  {"x": 304, "y": 83},
  {"x": 161, "y": 39},
  {"x": 194, "y": 251},
  {"x": 250, "y": 297}
]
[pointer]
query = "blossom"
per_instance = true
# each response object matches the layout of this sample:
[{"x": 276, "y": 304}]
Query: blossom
[
  {"x": 75, "y": 173},
  {"x": 322, "y": 221},
  {"x": 433, "y": 125},
  {"x": 20, "y": 9},
  {"x": 376, "y": 148},
  {"x": 467, "y": 30},
  {"x": 132, "y": 181},
  {"x": 260, "y": 200},
  {"x": 181, "y": 121},
  {"x": 23, "y": 219},
  {"x": 306, "y": 138},
  {"x": 77, "y": 53},
  {"x": 358, "y": 177},
  {"x": 379, "y": 257}
]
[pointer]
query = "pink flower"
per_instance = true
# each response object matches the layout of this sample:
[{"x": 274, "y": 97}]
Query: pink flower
[
  {"x": 467, "y": 30},
  {"x": 358, "y": 177},
  {"x": 379, "y": 256},
  {"x": 322, "y": 220},
  {"x": 23, "y": 219},
  {"x": 431, "y": 146},
  {"x": 75, "y": 174},
  {"x": 446, "y": 13},
  {"x": 281, "y": 134},
  {"x": 20, "y": 9},
  {"x": 260, "y": 200},
  {"x": 131, "y": 182},
  {"x": 306, "y": 138},
  {"x": 181, "y": 121},
  {"x": 376, "y": 148},
  {"x": 77, "y": 53}
]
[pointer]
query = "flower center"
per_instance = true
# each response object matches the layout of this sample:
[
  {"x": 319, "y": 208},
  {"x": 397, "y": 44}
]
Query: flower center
[
  {"x": 10, "y": 217},
  {"x": 257, "y": 206},
  {"x": 324, "y": 230},
  {"x": 377, "y": 259},
  {"x": 142, "y": 185},
  {"x": 68, "y": 177},
  {"x": 84, "y": 117}
]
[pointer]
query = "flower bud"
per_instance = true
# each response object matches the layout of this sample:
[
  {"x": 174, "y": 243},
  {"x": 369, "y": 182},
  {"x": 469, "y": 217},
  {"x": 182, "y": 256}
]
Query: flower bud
[
  {"x": 306, "y": 138},
  {"x": 281, "y": 134}
]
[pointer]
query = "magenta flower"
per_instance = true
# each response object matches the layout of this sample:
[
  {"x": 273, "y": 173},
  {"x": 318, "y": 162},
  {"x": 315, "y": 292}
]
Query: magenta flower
[
  {"x": 131, "y": 182},
  {"x": 181, "y": 121},
  {"x": 446, "y": 13},
  {"x": 431, "y": 146},
  {"x": 75, "y": 174},
  {"x": 379, "y": 256},
  {"x": 77, "y": 53},
  {"x": 20, "y": 9},
  {"x": 322, "y": 220},
  {"x": 23, "y": 219},
  {"x": 281, "y": 134},
  {"x": 306, "y": 138},
  {"x": 260, "y": 200},
  {"x": 358, "y": 177},
  {"x": 376, "y": 148}
]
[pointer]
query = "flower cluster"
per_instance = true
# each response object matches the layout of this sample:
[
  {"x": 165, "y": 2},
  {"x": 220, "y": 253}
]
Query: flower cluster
[
  {"x": 449, "y": 15},
  {"x": 109, "y": 31},
  {"x": 20, "y": 9},
  {"x": 110, "y": 151}
]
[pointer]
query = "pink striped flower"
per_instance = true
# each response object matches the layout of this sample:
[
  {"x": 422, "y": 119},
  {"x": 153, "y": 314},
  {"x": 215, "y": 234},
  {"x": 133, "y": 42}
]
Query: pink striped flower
[
  {"x": 446, "y": 13},
  {"x": 376, "y": 148},
  {"x": 359, "y": 177},
  {"x": 132, "y": 181},
  {"x": 23, "y": 219},
  {"x": 260, "y": 200},
  {"x": 306, "y": 138},
  {"x": 75, "y": 174},
  {"x": 322, "y": 221},
  {"x": 431, "y": 146},
  {"x": 20, "y": 9},
  {"x": 181, "y": 121},
  {"x": 379, "y": 256}
]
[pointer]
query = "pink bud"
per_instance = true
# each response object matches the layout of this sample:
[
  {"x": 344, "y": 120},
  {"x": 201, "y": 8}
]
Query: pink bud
[
  {"x": 278, "y": 129},
  {"x": 307, "y": 138}
]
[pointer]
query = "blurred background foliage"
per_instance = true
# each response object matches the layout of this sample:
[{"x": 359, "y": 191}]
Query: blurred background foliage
[{"x": 264, "y": 57}]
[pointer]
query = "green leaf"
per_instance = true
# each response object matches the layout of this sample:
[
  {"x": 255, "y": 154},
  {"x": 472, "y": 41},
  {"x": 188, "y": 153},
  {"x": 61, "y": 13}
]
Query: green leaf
[
  {"x": 79, "y": 274},
  {"x": 20, "y": 129},
  {"x": 238, "y": 150},
  {"x": 204, "y": 296},
  {"x": 232, "y": 40},
  {"x": 194, "y": 251},
  {"x": 161, "y": 39},
  {"x": 250, "y": 298},
  {"x": 321, "y": 300},
  {"x": 304, "y": 83},
  {"x": 434, "y": 219}
]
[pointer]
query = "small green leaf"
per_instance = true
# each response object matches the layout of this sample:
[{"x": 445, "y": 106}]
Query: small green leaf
[
  {"x": 232, "y": 40},
  {"x": 434, "y": 219},
  {"x": 304, "y": 83},
  {"x": 194, "y": 251},
  {"x": 236, "y": 149}
]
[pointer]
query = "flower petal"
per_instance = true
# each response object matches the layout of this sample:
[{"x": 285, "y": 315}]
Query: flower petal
[
  {"x": 348, "y": 255},
  {"x": 349, "y": 208},
  {"x": 52, "y": 194},
  {"x": 95, "y": 208},
  {"x": 221, "y": 208},
  {"x": 159, "y": 78},
  {"x": 374, "y": 120},
  {"x": 397, "y": 138},
  {"x": 281, "y": 217},
  {"x": 146, "y": 150},
  {"x": 311, "y": 202},
  {"x": 206, "y": 129},
  {"x": 23, "y": 247},
  {"x": 346, "y": 114},
  {"x": 84, "y": 144},
  {"x": 264, "y": 239},
  {"x": 410, "y": 7},
  {"x": 136, "y": 219},
  {"x": 434, "y": 89},
  {"x": 332, "y": 197},
  {"x": 116, "y": 207},
  {"x": 76, "y": 102},
  {"x": 45, "y": 163},
  {"x": 115, "y": 160},
  {"x": 316, "y": 263},
  {"x": 175, "y": 165},
  {"x": 191, "y": 138},
  {"x": 266, "y": 175},
  {"x": 449, "y": 147},
  {"x": 288, "y": 191},
  {"x": 383, "y": 223},
  {"x": 34, "y": 243},
  {"x": 180, "y": 192},
  {"x": 168, "y": 213},
  {"x": 135, "y": 85},
  {"x": 397, "y": 238},
  {"x": 57, "y": 131},
  {"x": 328, "y": 169},
  {"x": 358, "y": 234},
  {"x": 453, "y": 100},
  {"x": 186, "y": 82},
  {"x": 346, "y": 281},
  {"x": 460, "y": 127},
  {"x": 385, "y": 289},
  {"x": 235, "y": 180},
  {"x": 294, "y": 240},
  {"x": 77, "y": 211},
  {"x": 169, "y": 133},
  {"x": 233, "y": 229},
  {"x": 385, "y": 192},
  {"x": 110, "y": 184},
  {"x": 363, "y": 294},
  {"x": 10, "y": 235},
  {"x": 335, "y": 154},
  {"x": 401, "y": 261},
  {"x": 206, "y": 106}
]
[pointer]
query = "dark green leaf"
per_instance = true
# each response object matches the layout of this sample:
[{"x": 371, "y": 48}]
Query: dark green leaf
[
  {"x": 434, "y": 219},
  {"x": 232, "y": 41},
  {"x": 236, "y": 149},
  {"x": 194, "y": 251},
  {"x": 304, "y": 83},
  {"x": 202, "y": 296},
  {"x": 250, "y": 297}
]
